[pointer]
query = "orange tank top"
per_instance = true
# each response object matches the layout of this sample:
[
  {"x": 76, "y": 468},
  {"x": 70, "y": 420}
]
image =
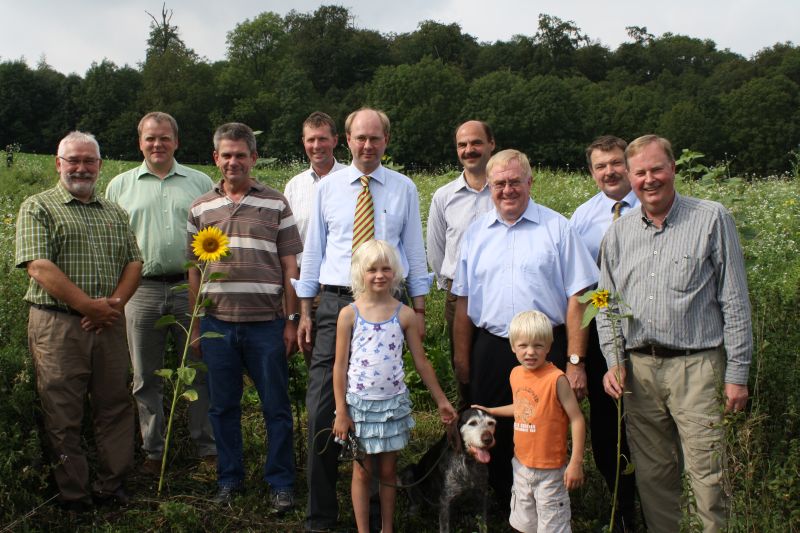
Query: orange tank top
[{"x": 540, "y": 423}]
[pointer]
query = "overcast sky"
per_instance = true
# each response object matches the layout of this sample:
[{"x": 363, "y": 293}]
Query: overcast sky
[{"x": 72, "y": 34}]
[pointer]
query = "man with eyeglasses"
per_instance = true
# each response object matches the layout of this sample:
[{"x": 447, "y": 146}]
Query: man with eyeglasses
[
  {"x": 84, "y": 265},
  {"x": 326, "y": 267},
  {"x": 519, "y": 256},
  {"x": 157, "y": 195},
  {"x": 453, "y": 208}
]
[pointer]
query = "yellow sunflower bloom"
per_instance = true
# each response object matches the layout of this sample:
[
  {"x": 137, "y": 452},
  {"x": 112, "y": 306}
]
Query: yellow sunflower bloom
[
  {"x": 600, "y": 299},
  {"x": 210, "y": 244}
]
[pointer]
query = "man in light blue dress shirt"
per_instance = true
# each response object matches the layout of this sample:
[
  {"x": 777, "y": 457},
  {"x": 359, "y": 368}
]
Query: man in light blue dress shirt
[
  {"x": 520, "y": 256},
  {"x": 326, "y": 268},
  {"x": 606, "y": 160}
]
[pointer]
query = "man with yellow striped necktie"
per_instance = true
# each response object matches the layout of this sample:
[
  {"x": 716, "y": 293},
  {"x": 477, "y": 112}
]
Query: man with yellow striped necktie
[{"x": 360, "y": 202}]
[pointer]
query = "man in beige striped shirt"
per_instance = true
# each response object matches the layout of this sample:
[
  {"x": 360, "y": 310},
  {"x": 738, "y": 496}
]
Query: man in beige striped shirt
[{"x": 678, "y": 264}]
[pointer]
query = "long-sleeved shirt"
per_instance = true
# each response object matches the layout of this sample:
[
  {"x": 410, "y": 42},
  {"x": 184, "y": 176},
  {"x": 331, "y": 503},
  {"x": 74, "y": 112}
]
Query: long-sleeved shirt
[
  {"x": 453, "y": 208},
  {"x": 328, "y": 248},
  {"x": 685, "y": 283},
  {"x": 592, "y": 218}
]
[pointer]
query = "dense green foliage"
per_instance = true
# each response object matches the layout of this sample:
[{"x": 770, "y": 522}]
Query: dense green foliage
[
  {"x": 545, "y": 93},
  {"x": 763, "y": 444}
]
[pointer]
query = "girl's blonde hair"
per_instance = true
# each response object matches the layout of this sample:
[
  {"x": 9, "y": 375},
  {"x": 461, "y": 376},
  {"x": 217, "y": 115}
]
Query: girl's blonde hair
[
  {"x": 530, "y": 326},
  {"x": 368, "y": 254}
]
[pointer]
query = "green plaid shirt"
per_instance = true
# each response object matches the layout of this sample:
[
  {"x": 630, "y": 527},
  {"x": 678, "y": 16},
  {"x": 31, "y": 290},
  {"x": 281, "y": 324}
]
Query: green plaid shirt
[{"x": 91, "y": 243}]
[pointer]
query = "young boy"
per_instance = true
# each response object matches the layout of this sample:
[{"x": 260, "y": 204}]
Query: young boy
[{"x": 543, "y": 404}]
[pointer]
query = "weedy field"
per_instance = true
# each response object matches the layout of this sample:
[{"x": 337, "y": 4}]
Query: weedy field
[{"x": 763, "y": 444}]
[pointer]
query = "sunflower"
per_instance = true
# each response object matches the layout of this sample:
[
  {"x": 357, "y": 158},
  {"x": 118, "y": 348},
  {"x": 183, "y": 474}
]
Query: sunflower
[
  {"x": 600, "y": 299},
  {"x": 210, "y": 244}
]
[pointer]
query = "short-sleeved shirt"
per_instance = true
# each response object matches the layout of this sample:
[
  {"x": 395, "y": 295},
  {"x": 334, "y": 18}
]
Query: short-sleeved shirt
[
  {"x": 90, "y": 242},
  {"x": 536, "y": 263},
  {"x": 158, "y": 209},
  {"x": 261, "y": 230}
]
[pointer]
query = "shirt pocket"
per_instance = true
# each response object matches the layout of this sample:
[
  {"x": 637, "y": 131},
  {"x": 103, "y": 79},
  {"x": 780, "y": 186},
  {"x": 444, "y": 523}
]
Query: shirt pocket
[
  {"x": 683, "y": 272},
  {"x": 390, "y": 227},
  {"x": 110, "y": 239},
  {"x": 539, "y": 268}
]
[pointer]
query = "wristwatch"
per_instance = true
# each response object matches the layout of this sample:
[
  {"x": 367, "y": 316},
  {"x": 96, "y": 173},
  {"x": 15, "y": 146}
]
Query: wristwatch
[
  {"x": 575, "y": 359},
  {"x": 294, "y": 317}
]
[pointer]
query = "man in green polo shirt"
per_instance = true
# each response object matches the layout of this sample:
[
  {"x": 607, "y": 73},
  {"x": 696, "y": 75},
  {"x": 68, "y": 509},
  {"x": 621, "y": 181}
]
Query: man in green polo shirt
[
  {"x": 84, "y": 265},
  {"x": 156, "y": 196}
]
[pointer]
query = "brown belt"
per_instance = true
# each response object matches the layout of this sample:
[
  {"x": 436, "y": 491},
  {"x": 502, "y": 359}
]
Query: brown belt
[{"x": 663, "y": 351}]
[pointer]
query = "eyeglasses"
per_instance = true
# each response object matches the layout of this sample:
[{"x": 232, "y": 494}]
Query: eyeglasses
[
  {"x": 75, "y": 162},
  {"x": 501, "y": 185},
  {"x": 362, "y": 139}
]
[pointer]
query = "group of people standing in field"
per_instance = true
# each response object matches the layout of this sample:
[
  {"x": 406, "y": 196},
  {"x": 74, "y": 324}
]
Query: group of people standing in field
[{"x": 336, "y": 267}]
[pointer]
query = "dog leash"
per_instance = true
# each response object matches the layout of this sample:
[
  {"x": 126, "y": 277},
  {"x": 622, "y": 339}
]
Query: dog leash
[{"x": 351, "y": 451}]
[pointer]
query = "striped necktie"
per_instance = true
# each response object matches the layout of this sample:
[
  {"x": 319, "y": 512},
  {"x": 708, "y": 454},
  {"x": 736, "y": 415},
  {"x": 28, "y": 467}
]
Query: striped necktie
[
  {"x": 364, "y": 222},
  {"x": 617, "y": 210}
]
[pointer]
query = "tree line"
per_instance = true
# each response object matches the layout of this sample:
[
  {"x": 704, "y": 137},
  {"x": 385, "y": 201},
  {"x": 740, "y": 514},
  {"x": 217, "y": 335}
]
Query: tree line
[{"x": 547, "y": 94}]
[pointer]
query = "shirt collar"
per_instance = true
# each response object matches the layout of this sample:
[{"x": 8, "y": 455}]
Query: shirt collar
[
  {"x": 672, "y": 215},
  {"x": 255, "y": 185},
  {"x": 378, "y": 174},
  {"x": 316, "y": 177},
  {"x": 66, "y": 197},
  {"x": 143, "y": 170},
  {"x": 530, "y": 214},
  {"x": 629, "y": 200},
  {"x": 461, "y": 184}
]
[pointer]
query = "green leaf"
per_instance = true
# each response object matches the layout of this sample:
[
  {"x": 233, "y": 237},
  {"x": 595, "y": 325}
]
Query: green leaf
[
  {"x": 166, "y": 320},
  {"x": 190, "y": 395},
  {"x": 189, "y": 264},
  {"x": 586, "y": 296},
  {"x": 164, "y": 373},
  {"x": 206, "y": 302},
  {"x": 186, "y": 374},
  {"x": 628, "y": 469},
  {"x": 198, "y": 365},
  {"x": 212, "y": 335},
  {"x": 588, "y": 315},
  {"x": 216, "y": 275},
  {"x": 181, "y": 287}
]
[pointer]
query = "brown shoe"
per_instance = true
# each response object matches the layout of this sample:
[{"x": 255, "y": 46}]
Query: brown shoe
[{"x": 151, "y": 467}]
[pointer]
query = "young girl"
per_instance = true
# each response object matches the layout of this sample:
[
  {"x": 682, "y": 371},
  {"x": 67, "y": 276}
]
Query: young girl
[{"x": 371, "y": 396}]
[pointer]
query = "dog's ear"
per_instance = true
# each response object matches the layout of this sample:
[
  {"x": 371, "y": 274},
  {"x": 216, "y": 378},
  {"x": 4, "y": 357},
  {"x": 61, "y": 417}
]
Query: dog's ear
[{"x": 454, "y": 439}]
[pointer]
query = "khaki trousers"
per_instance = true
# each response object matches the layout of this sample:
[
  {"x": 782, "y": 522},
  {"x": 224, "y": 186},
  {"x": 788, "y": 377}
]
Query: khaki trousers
[
  {"x": 70, "y": 363},
  {"x": 674, "y": 418}
]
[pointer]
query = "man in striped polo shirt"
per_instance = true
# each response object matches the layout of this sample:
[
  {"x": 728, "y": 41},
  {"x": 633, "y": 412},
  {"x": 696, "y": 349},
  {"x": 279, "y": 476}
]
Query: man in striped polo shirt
[
  {"x": 247, "y": 308},
  {"x": 677, "y": 263}
]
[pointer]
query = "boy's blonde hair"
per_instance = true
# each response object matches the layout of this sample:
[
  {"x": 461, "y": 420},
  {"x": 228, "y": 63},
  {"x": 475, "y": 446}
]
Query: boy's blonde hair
[
  {"x": 368, "y": 254},
  {"x": 531, "y": 326}
]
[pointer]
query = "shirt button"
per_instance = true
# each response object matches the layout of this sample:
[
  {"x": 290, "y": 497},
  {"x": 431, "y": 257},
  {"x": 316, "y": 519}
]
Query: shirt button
[
  {"x": 649, "y": 321},
  {"x": 652, "y": 274},
  {"x": 650, "y": 297},
  {"x": 655, "y": 252}
]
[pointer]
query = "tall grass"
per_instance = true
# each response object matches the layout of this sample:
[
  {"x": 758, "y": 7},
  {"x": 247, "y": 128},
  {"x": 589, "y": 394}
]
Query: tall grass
[{"x": 763, "y": 444}]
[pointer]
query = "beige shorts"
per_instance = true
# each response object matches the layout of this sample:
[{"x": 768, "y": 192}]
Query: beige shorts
[{"x": 539, "y": 500}]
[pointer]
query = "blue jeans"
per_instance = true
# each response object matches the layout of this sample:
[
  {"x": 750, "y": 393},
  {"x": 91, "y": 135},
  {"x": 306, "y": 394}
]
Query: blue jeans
[{"x": 258, "y": 348}]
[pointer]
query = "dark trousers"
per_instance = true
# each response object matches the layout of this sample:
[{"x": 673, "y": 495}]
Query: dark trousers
[
  {"x": 603, "y": 431},
  {"x": 323, "y": 508},
  {"x": 491, "y": 362}
]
